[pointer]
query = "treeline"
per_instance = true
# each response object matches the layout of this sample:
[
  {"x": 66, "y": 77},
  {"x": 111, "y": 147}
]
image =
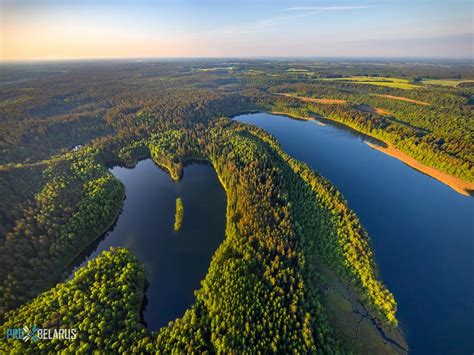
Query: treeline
[
  {"x": 442, "y": 110},
  {"x": 77, "y": 202},
  {"x": 331, "y": 230},
  {"x": 447, "y": 149},
  {"x": 284, "y": 222},
  {"x": 69, "y": 104},
  {"x": 102, "y": 303},
  {"x": 43, "y": 116},
  {"x": 259, "y": 294},
  {"x": 261, "y": 280}
]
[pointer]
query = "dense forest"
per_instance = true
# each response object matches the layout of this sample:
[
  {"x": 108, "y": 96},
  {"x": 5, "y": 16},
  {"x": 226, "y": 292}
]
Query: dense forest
[
  {"x": 289, "y": 232},
  {"x": 432, "y": 123},
  {"x": 259, "y": 283},
  {"x": 438, "y": 134}
]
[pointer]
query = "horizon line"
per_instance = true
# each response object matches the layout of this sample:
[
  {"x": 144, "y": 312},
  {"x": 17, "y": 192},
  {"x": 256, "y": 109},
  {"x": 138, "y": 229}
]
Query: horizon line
[{"x": 76, "y": 59}]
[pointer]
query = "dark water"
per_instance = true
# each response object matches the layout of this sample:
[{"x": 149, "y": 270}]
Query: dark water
[
  {"x": 422, "y": 231},
  {"x": 175, "y": 262}
]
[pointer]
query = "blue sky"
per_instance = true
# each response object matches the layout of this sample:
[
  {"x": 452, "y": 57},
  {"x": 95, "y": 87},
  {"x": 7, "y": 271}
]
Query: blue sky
[{"x": 45, "y": 29}]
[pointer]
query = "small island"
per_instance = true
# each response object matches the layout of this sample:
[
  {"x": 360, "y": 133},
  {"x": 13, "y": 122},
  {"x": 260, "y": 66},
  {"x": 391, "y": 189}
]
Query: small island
[
  {"x": 291, "y": 268},
  {"x": 178, "y": 219}
]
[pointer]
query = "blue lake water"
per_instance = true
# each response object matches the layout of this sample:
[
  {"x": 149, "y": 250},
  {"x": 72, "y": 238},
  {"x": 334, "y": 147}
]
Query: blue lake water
[
  {"x": 422, "y": 231},
  {"x": 175, "y": 262}
]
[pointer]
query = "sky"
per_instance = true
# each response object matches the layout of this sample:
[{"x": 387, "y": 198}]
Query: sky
[{"x": 67, "y": 29}]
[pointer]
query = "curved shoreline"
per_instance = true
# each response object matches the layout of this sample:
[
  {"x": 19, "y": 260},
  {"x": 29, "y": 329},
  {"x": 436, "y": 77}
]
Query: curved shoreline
[
  {"x": 462, "y": 187},
  {"x": 72, "y": 267}
]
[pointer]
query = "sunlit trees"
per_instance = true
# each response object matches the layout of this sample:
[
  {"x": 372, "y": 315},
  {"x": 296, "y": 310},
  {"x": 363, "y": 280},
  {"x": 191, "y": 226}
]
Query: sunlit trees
[
  {"x": 102, "y": 302},
  {"x": 436, "y": 134},
  {"x": 178, "y": 219},
  {"x": 283, "y": 220},
  {"x": 259, "y": 293},
  {"x": 79, "y": 201}
]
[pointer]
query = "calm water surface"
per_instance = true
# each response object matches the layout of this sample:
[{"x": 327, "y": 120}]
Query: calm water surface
[
  {"x": 175, "y": 262},
  {"x": 422, "y": 231}
]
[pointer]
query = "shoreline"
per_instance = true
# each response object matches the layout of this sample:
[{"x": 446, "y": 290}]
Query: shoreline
[
  {"x": 278, "y": 113},
  {"x": 72, "y": 267},
  {"x": 462, "y": 187}
]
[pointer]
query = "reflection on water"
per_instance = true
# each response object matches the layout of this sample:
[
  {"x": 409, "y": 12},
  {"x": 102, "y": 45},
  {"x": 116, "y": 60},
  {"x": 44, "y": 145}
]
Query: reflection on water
[
  {"x": 422, "y": 231},
  {"x": 175, "y": 262}
]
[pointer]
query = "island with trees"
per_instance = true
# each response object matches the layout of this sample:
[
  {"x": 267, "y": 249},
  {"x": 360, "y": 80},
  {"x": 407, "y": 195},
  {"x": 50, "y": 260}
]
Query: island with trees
[
  {"x": 178, "y": 219},
  {"x": 295, "y": 272}
]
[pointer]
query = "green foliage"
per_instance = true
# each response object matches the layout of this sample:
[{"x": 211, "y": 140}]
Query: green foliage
[
  {"x": 253, "y": 298},
  {"x": 330, "y": 229},
  {"x": 78, "y": 202},
  {"x": 131, "y": 153},
  {"x": 178, "y": 219},
  {"x": 102, "y": 302},
  {"x": 261, "y": 280},
  {"x": 445, "y": 82},
  {"x": 165, "y": 150},
  {"x": 439, "y": 135},
  {"x": 283, "y": 220},
  {"x": 259, "y": 294}
]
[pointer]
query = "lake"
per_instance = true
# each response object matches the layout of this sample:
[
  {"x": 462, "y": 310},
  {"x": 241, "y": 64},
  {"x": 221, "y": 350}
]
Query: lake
[
  {"x": 175, "y": 262},
  {"x": 422, "y": 231}
]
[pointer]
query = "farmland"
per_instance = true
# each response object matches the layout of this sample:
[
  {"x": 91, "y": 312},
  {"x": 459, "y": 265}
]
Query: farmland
[{"x": 396, "y": 83}]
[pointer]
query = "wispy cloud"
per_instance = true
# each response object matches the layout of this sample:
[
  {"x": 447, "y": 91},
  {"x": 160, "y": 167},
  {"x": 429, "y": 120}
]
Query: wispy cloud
[
  {"x": 271, "y": 23},
  {"x": 328, "y": 8},
  {"x": 260, "y": 26}
]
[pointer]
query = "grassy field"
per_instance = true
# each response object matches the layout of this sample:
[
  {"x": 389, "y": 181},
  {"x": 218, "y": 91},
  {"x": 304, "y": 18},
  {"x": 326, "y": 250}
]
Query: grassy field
[
  {"x": 354, "y": 323},
  {"x": 400, "y": 98},
  {"x": 296, "y": 70},
  {"x": 319, "y": 101},
  {"x": 216, "y": 69},
  {"x": 444, "y": 82},
  {"x": 379, "y": 81},
  {"x": 13, "y": 101}
]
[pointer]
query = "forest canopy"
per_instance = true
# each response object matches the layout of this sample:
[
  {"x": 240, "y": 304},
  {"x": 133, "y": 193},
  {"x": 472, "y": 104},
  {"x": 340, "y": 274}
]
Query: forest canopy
[{"x": 289, "y": 232}]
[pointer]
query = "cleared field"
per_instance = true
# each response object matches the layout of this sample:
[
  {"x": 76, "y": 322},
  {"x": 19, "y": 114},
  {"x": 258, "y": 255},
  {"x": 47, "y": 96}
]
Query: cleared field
[
  {"x": 378, "y": 81},
  {"x": 14, "y": 101},
  {"x": 401, "y": 98},
  {"x": 318, "y": 101},
  {"x": 215, "y": 69},
  {"x": 443, "y": 82},
  {"x": 377, "y": 110},
  {"x": 253, "y": 72}
]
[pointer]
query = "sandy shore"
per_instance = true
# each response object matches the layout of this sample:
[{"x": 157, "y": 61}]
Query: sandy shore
[
  {"x": 304, "y": 118},
  {"x": 463, "y": 187}
]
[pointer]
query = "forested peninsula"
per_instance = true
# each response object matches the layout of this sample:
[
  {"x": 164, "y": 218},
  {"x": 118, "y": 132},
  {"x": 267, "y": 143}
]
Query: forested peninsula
[
  {"x": 295, "y": 272},
  {"x": 283, "y": 227}
]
